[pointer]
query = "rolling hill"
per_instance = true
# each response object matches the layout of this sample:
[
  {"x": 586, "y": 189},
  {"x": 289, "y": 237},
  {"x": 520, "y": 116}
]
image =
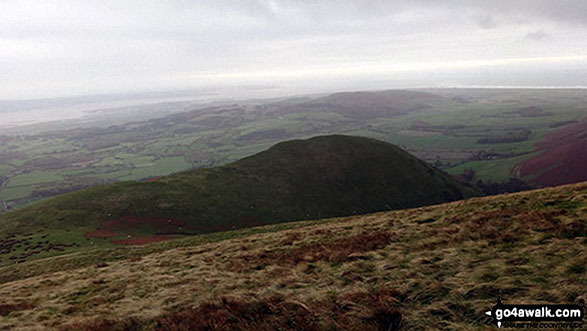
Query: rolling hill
[
  {"x": 429, "y": 268},
  {"x": 488, "y": 131},
  {"x": 562, "y": 158},
  {"x": 370, "y": 104},
  {"x": 325, "y": 176}
]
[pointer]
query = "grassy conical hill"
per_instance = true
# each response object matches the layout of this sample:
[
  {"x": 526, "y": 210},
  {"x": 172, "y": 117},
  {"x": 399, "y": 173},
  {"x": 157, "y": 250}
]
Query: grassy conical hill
[{"x": 295, "y": 180}]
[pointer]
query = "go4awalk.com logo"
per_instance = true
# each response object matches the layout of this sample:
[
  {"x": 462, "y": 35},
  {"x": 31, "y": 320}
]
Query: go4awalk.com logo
[{"x": 536, "y": 316}]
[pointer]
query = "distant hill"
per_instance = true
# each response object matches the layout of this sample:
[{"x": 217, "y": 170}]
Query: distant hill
[
  {"x": 430, "y": 268},
  {"x": 488, "y": 131},
  {"x": 371, "y": 104},
  {"x": 320, "y": 177},
  {"x": 562, "y": 159}
]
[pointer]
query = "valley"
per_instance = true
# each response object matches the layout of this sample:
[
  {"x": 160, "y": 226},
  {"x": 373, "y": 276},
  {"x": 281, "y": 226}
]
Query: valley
[
  {"x": 200, "y": 220},
  {"x": 293, "y": 165},
  {"x": 489, "y": 131}
]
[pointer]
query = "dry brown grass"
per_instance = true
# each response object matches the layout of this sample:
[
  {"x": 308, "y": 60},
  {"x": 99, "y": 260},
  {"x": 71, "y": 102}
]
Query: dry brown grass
[
  {"x": 7, "y": 308},
  {"x": 374, "y": 310},
  {"x": 334, "y": 251},
  {"x": 436, "y": 267}
]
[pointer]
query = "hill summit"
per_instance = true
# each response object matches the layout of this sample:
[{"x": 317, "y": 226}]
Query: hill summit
[{"x": 324, "y": 176}]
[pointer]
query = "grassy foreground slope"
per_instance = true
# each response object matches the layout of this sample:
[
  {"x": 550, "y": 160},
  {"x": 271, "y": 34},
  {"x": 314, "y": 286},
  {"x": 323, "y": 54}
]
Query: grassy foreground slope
[
  {"x": 320, "y": 177},
  {"x": 435, "y": 267}
]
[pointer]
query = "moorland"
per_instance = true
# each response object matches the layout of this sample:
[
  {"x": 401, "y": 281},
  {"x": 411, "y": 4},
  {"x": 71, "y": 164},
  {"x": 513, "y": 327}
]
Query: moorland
[
  {"x": 201, "y": 220},
  {"x": 429, "y": 268}
]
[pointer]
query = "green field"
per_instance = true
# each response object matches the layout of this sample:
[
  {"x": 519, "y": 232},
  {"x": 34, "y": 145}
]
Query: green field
[
  {"x": 5, "y": 169},
  {"x": 35, "y": 177},
  {"x": 451, "y": 135},
  {"x": 14, "y": 193},
  {"x": 491, "y": 170},
  {"x": 161, "y": 167}
]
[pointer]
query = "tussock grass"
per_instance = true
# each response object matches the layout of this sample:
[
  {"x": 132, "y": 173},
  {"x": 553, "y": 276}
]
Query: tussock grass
[{"x": 372, "y": 272}]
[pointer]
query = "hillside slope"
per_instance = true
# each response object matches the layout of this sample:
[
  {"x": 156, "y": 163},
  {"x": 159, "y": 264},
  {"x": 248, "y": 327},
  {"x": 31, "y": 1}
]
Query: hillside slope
[
  {"x": 562, "y": 160},
  {"x": 320, "y": 177},
  {"x": 436, "y": 267}
]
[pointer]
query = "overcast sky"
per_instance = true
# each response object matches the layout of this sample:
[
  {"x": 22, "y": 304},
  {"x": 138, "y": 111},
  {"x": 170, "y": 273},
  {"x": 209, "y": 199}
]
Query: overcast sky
[{"x": 54, "y": 48}]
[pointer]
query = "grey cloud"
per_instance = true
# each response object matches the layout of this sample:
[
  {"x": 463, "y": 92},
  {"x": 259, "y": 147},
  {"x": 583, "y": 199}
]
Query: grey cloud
[
  {"x": 81, "y": 47},
  {"x": 537, "y": 35},
  {"x": 486, "y": 22}
]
